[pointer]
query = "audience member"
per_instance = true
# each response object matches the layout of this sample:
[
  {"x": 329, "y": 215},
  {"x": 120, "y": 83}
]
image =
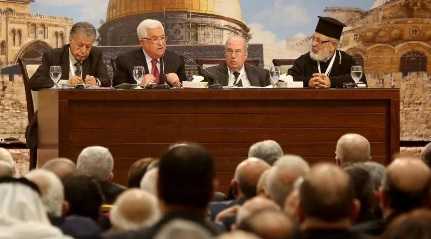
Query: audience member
[
  {"x": 262, "y": 184},
  {"x": 283, "y": 175},
  {"x": 183, "y": 229},
  {"x": 238, "y": 235},
  {"x": 415, "y": 224},
  {"x": 134, "y": 209},
  {"x": 267, "y": 150},
  {"x": 7, "y": 164},
  {"x": 97, "y": 162},
  {"x": 269, "y": 224},
  {"x": 352, "y": 148},
  {"x": 149, "y": 181},
  {"x": 62, "y": 167},
  {"x": 137, "y": 171},
  {"x": 191, "y": 167},
  {"x": 253, "y": 205},
  {"x": 327, "y": 205},
  {"x": 405, "y": 187},
  {"x": 426, "y": 154}
]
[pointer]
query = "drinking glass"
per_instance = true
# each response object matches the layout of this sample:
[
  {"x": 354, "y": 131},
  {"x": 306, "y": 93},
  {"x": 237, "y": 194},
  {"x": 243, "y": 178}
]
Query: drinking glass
[
  {"x": 356, "y": 73},
  {"x": 138, "y": 74},
  {"x": 55, "y": 74},
  {"x": 274, "y": 73}
]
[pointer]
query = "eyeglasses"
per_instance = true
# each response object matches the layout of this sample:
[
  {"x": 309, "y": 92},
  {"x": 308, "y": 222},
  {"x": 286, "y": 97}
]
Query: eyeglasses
[
  {"x": 231, "y": 51},
  {"x": 319, "y": 41},
  {"x": 155, "y": 40}
]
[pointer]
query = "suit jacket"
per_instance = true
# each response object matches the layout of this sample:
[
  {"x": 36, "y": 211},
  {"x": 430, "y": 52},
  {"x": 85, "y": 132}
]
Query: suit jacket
[
  {"x": 93, "y": 66},
  {"x": 304, "y": 67},
  {"x": 219, "y": 75},
  {"x": 172, "y": 63}
]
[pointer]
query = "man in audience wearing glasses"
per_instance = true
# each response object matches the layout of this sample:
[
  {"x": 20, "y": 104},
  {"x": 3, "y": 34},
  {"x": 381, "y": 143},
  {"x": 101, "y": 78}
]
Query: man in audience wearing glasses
[
  {"x": 324, "y": 66},
  {"x": 80, "y": 62},
  {"x": 161, "y": 66},
  {"x": 235, "y": 72}
]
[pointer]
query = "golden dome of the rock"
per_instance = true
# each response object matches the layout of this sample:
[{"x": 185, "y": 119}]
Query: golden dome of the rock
[{"x": 123, "y": 8}]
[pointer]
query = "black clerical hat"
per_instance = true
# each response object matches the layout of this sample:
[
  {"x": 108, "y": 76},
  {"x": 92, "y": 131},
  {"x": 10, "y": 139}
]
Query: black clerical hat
[{"x": 330, "y": 27}]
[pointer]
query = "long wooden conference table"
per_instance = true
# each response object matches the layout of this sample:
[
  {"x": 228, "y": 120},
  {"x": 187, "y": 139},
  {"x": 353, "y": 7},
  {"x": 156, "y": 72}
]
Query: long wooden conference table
[{"x": 141, "y": 123}]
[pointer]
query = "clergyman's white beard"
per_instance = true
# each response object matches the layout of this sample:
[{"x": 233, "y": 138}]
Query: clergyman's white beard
[{"x": 321, "y": 57}]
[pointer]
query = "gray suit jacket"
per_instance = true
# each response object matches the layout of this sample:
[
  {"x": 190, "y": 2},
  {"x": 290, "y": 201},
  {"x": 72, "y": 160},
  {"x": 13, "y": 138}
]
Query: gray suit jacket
[{"x": 219, "y": 75}]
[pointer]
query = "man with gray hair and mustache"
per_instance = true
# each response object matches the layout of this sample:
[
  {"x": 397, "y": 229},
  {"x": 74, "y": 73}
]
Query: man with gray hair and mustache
[{"x": 324, "y": 66}]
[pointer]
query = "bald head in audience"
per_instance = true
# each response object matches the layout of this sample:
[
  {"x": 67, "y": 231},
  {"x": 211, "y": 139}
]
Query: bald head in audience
[
  {"x": 262, "y": 184},
  {"x": 253, "y": 205},
  {"x": 62, "y": 167},
  {"x": 267, "y": 150},
  {"x": 149, "y": 181},
  {"x": 137, "y": 171},
  {"x": 238, "y": 235},
  {"x": 7, "y": 164},
  {"x": 426, "y": 154},
  {"x": 283, "y": 175},
  {"x": 134, "y": 209},
  {"x": 247, "y": 175},
  {"x": 269, "y": 224},
  {"x": 406, "y": 185},
  {"x": 326, "y": 198},
  {"x": 352, "y": 148},
  {"x": 51, "y": 188}
]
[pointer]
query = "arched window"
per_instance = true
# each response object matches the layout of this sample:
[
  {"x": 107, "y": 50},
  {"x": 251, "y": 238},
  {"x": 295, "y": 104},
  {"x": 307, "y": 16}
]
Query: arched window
[
  {"x": 3, "y": 48},
  {"x": 61, "y": 39},
  {"x": 19, "y": 35},
  {"x": 413, "y": 61},
  {"x": 13, "y": 37}
]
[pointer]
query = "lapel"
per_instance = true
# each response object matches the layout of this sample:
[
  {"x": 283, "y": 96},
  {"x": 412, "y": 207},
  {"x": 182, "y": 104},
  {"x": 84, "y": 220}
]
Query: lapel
[
  {"x": 252, "y": 77},
  {"x": 86, "y": 66},
  {"x": 140, "y": 60},
  {"x": 65, "y": 63},
  {"x": 225, "y": 74}
]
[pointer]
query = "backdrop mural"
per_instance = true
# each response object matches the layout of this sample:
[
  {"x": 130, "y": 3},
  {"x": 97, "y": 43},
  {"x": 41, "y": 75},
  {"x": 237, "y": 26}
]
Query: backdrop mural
[{"x": 391, "y": 38}]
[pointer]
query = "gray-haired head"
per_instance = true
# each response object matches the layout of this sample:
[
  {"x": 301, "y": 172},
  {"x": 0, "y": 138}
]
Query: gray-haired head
[
  {"x": 62, "y": 167},
  {"x": 149, "y": 181},
  {"x": 51, "y": 188},
  {"x": 426, "y": 154},
  {"x": 145, "y": 25},
  {"x": 96, "y": 161},
  {"x": 183, "y": 229},
  {"x": 267, "y": 150},
  {"x": 376, "y": 171},
  {"x": 236, "y": 37},
  {"x": 7, "y": 164},
  {"x": 283, "y": 175},
  {"x": 85, "y": 28}
]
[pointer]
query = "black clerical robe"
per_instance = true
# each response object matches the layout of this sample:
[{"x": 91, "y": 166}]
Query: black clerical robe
[{"x": 304, "y": 67}]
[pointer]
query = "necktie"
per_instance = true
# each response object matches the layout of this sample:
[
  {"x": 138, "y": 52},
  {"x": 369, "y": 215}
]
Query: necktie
[
  {"x": 237, "y": 81},
  {"x": 78, "y": 69},
  {"x": 155, "y": 71}
]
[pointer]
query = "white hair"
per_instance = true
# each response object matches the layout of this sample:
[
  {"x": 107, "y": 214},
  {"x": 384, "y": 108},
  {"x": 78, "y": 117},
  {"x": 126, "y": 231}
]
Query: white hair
[
  {"x": 267, "y": 150},
  {"x": 134, "y": 209},
  {"x": 149, "y": 181},
  {"x": 7, "y": 164},
  {"x": 147, "y": 24},
  {"x": 51, "y": 188},
  {"x": 183, "y": 229},
  {"x": 95, "y": 161},
  {"x": 283, "y": 175}
]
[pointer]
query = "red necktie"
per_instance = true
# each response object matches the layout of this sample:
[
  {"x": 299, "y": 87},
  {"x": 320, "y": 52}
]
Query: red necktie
[{"x": 155, "y": 71}]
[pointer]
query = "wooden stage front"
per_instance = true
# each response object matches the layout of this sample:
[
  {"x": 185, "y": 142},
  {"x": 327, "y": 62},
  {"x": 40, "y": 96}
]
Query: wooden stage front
[{"x": 140, "y": 123}]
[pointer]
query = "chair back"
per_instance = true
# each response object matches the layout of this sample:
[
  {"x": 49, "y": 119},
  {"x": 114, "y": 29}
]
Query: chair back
[{"x": 27, "y": 71}]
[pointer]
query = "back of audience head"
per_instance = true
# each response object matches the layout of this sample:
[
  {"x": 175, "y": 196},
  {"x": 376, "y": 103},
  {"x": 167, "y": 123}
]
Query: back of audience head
[
  {"x": 7, "y": 163},
  {"x": 20, "y": 202},
  {"x": 426, "y": 154},
  {"x": 182, "y": 229},
  {"x": 283, "y": 175},
  {"x": 406, "y": 185},
  {"x": 253, "y": 205},
  {"x": 364, "y": 191},
  {"x": 238, "y": 235},
  {"x": 326, "y": 194},
  {"x": 84, "y": 196},
  {"x": 267, "y": 150},
  {"x": 352, "y": 148},
  {"x": 137, "y": 171},
  {"x": 134, "y": 209},
  {"x": 52, "y": 191},
  {"x": 192, "y": 169},
  {"x": 62, "y": 167},
  {"x": 269, "y": 224},
  {"x": 262, "y": 184},
  {"x": 415, "y": 224},
  {"x": 97, "y": 162},
  {"x": 376, "y": 171},
  {"x": 247, "y": 175},
  {"x": 149, "y": 181}
]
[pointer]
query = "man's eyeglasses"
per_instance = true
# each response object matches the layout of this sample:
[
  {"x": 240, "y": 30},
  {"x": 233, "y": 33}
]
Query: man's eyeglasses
[
  {"x": 156, "y": 39},
  {"x": 231, "y": 51}
]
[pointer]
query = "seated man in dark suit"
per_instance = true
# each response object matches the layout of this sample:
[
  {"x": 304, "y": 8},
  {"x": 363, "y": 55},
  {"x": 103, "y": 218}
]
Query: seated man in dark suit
[
  {"x": 161, "y": 66},
  {"x": 80, "y": 62},
  {"x": 235, "y": 72}
]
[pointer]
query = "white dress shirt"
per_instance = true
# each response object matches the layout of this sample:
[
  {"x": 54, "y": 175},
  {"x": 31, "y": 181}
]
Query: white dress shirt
[{"x": 242, "y": 77}]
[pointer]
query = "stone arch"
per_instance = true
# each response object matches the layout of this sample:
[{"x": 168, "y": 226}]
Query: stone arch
[
  {"x": 423, "y": 53},
  {"x": 32, "y": 51},
  {"x": 359, "y": 55}
]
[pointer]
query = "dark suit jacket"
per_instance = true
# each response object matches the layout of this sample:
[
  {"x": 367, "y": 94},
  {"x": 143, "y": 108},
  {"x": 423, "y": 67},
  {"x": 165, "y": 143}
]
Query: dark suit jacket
[
  {"x": 172, "y": 63},
  {"x": 93, "y": 66},
  {"x": 219, "y": 75}
]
